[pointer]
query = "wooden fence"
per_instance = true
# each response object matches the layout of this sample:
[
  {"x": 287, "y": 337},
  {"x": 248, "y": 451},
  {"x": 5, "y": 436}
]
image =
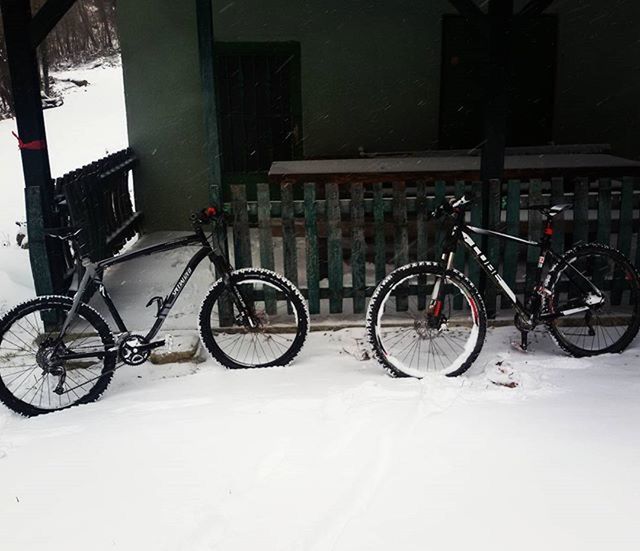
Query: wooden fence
[{"x": 354, "y": 234}]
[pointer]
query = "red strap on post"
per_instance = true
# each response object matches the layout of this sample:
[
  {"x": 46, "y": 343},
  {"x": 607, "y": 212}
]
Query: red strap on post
[{"x": 35, "y": 145}]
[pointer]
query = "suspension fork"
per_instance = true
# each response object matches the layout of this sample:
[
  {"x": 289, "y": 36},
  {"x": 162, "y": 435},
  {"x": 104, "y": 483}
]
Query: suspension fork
[
  {"x": 223, "y": 267},
  {"x": 434, "y": 309},
  {"x": 435, "y": 303}
]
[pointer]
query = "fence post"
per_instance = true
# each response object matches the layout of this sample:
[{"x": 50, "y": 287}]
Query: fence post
[
  {"x": 358, "y": 247},
  {"x": 311, "y": 230},
  {"x": 334, "y": 245},
  {"x": 241, "y": 237},
  {"x": 378, "y": 230},
  {"x": 401, "y": 241},
  {"x": 289, "y": 247},
  {"x": 266, "y": 242}
]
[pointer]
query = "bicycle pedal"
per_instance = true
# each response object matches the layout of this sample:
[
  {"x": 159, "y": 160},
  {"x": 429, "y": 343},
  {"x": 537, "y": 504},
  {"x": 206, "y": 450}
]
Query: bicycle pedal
[{"x": 518, "y": 346}]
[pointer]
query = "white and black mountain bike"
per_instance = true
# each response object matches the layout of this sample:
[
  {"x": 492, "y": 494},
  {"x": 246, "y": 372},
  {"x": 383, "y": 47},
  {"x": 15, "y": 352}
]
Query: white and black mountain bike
[
  {"x": 428, "y": 317},
  {"x": 56, "y": 352}
]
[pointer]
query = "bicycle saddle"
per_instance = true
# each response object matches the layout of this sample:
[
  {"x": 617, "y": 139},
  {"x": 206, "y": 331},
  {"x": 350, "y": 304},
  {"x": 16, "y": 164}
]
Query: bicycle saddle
[{"x": 553, "y": 210}]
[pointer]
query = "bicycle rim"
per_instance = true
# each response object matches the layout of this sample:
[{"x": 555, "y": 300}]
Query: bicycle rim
[
  {"x": 277, "y": 324},
  {"x": 26, "y": 345},
  {"x": 406, "y": 339},
  {"x": 605, "y": 327}
]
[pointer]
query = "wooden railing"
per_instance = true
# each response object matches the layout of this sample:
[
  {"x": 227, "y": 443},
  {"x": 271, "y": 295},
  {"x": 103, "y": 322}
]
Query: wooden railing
[
  {"x": 96, "y": 200},
  {"x": 354, "y": 234}
]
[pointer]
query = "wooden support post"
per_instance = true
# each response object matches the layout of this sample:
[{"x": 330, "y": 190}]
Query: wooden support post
[{"x": 46, "y": 258}]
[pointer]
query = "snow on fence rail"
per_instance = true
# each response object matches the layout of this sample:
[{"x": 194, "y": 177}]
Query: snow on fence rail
[{"x": 381, "y": 225}]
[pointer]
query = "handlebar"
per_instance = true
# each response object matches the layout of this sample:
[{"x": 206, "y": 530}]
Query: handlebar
[
  {"x": 447, "y": 208},
  {"x": 205, "y": 216}
]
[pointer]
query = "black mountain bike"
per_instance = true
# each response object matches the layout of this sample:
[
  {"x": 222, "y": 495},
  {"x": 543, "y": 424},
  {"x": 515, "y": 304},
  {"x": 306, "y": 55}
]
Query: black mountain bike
[
  {"x": 57, "y": 352},
  {"x": 428, "y": 316}
]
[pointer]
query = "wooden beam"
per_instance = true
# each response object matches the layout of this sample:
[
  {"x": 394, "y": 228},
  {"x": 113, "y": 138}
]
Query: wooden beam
[
  {"x": 535, "y": 7},
  {"x": 47, "y": 18},
  {"x": 204, "y": 14},
  {"x": 25, "y": 87}
]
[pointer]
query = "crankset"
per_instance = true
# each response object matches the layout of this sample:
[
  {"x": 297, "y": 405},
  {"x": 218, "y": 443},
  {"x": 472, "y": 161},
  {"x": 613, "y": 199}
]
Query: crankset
[{"x": 136, "y": 349}]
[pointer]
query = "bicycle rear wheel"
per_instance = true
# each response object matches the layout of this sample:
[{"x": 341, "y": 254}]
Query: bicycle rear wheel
[
  {"x": 30, "y": 370},
  {"x": 405, "y": 340},
  {"x": 608, "y": 325},
  {"x": 279, "y": 313}
]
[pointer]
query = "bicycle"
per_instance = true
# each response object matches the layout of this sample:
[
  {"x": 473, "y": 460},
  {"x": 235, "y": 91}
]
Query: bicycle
[
  {"x": 429, "y": 317},
  {"x": 57, "y": 352}
]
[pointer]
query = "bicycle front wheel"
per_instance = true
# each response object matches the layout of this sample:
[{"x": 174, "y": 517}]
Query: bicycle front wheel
[
  {"x": 35, "y": 376},
  {"x": 402, "y": 334},
  {"x": 279, "y": 320},
  {"x": 588, "y": 325}
]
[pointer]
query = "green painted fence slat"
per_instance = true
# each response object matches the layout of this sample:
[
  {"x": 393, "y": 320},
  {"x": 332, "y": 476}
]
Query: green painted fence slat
[
  {"x": 603, "y": 233},
  {"x": 493, "y": 245},
  {"x": 289, "y": 249},
  {"x": 476, "y": 220},
  {"x": 624, "y": 234},
  {"x": 313, "y": 259},
  {"x": 581, "y": 211},
  {"x": 241, "y": 237},
  {"x": 422, "y": 238},
  {"x": 358, "y": 247},
  {"x": 439, "y": 196},
  {"x": 422, "y": 209},
  {"x": 266, "y": 241},
  {"x": 378, "y": 231},
  {"x": 534, "y": 232},
  {"x": 334, "y": 245},
  {"x": 401, "y": 238},
  {"x": 510, "y": 263},
  {"x": 557, "y": 197},
  {"x": 459, "y": 260}
]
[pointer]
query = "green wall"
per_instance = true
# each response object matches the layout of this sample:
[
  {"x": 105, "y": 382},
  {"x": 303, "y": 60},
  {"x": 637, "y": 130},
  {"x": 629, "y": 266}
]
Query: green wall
[
  {"x": 164, "y": 109},
  {"x": 370, "y": 78}
]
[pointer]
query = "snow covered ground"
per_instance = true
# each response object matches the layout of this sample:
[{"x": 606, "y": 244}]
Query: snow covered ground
[
  {"x": 79, "y": 132},
  {"x": 331, "y": 454}
]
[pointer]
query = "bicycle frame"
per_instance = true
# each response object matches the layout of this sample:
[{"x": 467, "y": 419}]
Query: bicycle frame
[
  {"x": 94, "y": 272},
  {"x": 461, "y": 232}
]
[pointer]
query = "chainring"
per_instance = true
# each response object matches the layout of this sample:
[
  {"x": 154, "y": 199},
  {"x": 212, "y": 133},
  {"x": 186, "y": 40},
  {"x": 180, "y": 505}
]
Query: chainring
[{"x": 133, "y": 350}]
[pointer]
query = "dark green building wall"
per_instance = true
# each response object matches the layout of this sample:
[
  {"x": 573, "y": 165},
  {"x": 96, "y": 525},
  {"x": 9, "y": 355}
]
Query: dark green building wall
[{"x": 370, "y": 78}]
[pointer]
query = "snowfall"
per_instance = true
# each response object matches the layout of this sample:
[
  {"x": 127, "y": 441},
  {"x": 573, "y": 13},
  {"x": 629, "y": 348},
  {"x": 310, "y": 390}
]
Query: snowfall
[{"x": 526, "y": 451}]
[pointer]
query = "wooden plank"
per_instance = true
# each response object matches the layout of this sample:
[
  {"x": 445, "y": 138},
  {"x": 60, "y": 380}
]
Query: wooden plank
[
  {"x": 558, "y": 197},
  {"x": 603, "y": 233},
  {"x": 289, "y": 249},
  {"x": 401, "y": 238},
  {"x": 459, "y": 260},
  {"x": 422, "y": 209},
  {"x": 534, "y": 232},
  {"x": 493, "y": 244},
  {"x": 476, "y": 220},
  {"x": 422, "y": 239},
  {"x": 334, "y": 245},
  {"x": 378, "y": 232},
  {"x": 581, "y": 211},
  {"x": 439, "y": 197},
  {"x": 626, "y": 216},
  {"x": 624, "y": 236},
  {"x": 241, "y": 237},
  {"x": 313, "y": 259},
  {"x": 510, "y": 262},
  {"x": 266, "y": 242},
  {"x": 358, "y": 247}
]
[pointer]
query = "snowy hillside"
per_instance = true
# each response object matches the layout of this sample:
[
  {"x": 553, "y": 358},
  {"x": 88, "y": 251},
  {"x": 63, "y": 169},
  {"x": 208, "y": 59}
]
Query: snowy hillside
[{"x": 89, "y": 125}]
